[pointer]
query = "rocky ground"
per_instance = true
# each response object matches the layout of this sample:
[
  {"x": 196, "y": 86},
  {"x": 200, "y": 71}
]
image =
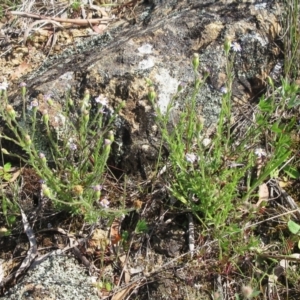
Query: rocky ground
[{"x": 135, "y": 40}]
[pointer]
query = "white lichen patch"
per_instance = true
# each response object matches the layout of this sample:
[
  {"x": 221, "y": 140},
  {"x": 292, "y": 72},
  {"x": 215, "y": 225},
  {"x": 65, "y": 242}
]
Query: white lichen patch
[
  {"x": 145, "y": 49},
  {"x": 167, "y": 88},
  {"x": 146, "y": 63},
  {"x": 256, "y": 37},
  {"x": 67, "y": 76},
  {"x": 58, "y": 277}
]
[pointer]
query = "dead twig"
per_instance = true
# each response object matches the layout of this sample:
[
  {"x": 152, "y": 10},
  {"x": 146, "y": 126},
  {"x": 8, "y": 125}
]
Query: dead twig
[
  {"x": 30, "y": 27},
  {"x": 32, "y": 252},
  {"x": 82, "y": 22}
]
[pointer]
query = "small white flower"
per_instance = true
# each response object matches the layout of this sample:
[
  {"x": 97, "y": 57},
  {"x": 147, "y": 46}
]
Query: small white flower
[
  {"x": 236, "y": 47},
  {"x": 102, "y": 100},
  {"x": 3, "y": 85},
  {"x": 104, "y": 203},
  {"x": 42, "y": 155},
  {"x": 191, "y": 157},
  {"x": 206, "y": 142},
  {"x": 259, "y": 152}
]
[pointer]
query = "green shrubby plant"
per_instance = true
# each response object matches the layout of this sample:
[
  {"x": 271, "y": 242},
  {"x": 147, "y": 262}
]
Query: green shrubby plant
[
  {"x": 72, "y": 171},
  {"x": 199, "y": 177},
  {"x": 204, "y": 173}
]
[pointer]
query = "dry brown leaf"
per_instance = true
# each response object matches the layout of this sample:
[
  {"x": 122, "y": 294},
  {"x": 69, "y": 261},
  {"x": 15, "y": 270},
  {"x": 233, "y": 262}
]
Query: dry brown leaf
[
  {"x": 284, "y": 184},
  {"x": 99, "y": 239},
  {"x": 16, "y": 175},
  {"x": 123, "y": 293},
  {"x": 263, "y": 194},
  {"x": 100, "y": 28},
  {"x": 127, "y": 276},
  {"x": 137, "y": 204},
  {"x": 115, "y": 236},
  {"x": 23, "y": 68}
]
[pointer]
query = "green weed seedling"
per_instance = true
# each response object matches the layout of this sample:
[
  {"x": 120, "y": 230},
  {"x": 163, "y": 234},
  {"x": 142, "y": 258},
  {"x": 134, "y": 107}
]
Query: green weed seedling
[
  {"x": 141, "y": 227},
  {"x": 294, "y": 228},
  {"x": 76, "y": 5},
  {"x": 5, "y": 172}
]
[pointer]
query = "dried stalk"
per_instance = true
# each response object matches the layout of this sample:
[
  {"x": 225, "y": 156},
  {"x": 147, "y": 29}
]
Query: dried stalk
[{"x": 85, "y": 22}]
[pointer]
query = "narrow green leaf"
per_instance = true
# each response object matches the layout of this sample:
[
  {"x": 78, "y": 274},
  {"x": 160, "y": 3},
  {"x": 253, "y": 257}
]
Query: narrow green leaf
[{"x": 291, "y": 172}]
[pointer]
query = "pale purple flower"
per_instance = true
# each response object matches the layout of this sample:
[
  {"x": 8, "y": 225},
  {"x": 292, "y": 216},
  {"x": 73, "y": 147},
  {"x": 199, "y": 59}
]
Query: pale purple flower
[
  {"x": 72, "y": 146},
  {"x": 34, "y": 103},
  {"x": 97, "y": 187},
  {"x": 191, "y": 157},
  {"x": 223, "y": 90},
  {"x": 259, "y": 152},
  {"x": 107, "y": 142},
  {"x": 236, "y": 47},
  {"x": 102, "y": 100},
  {"x": 104, "y": 203},
  {"x": 3, "y": 85},
  {"x": 47, "y": 97},
  {"x": 23, "y": 84}
]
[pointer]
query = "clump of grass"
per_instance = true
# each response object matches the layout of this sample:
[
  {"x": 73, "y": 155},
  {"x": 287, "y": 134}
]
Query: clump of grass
[{"x": 72, "y": 171}]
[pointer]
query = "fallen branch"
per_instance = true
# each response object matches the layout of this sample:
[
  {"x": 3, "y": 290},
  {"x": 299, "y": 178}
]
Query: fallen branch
[{"x": 86, "y": 22}]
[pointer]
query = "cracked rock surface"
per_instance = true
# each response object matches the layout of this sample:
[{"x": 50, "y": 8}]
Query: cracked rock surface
[{"x": 159, "y": 45}]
